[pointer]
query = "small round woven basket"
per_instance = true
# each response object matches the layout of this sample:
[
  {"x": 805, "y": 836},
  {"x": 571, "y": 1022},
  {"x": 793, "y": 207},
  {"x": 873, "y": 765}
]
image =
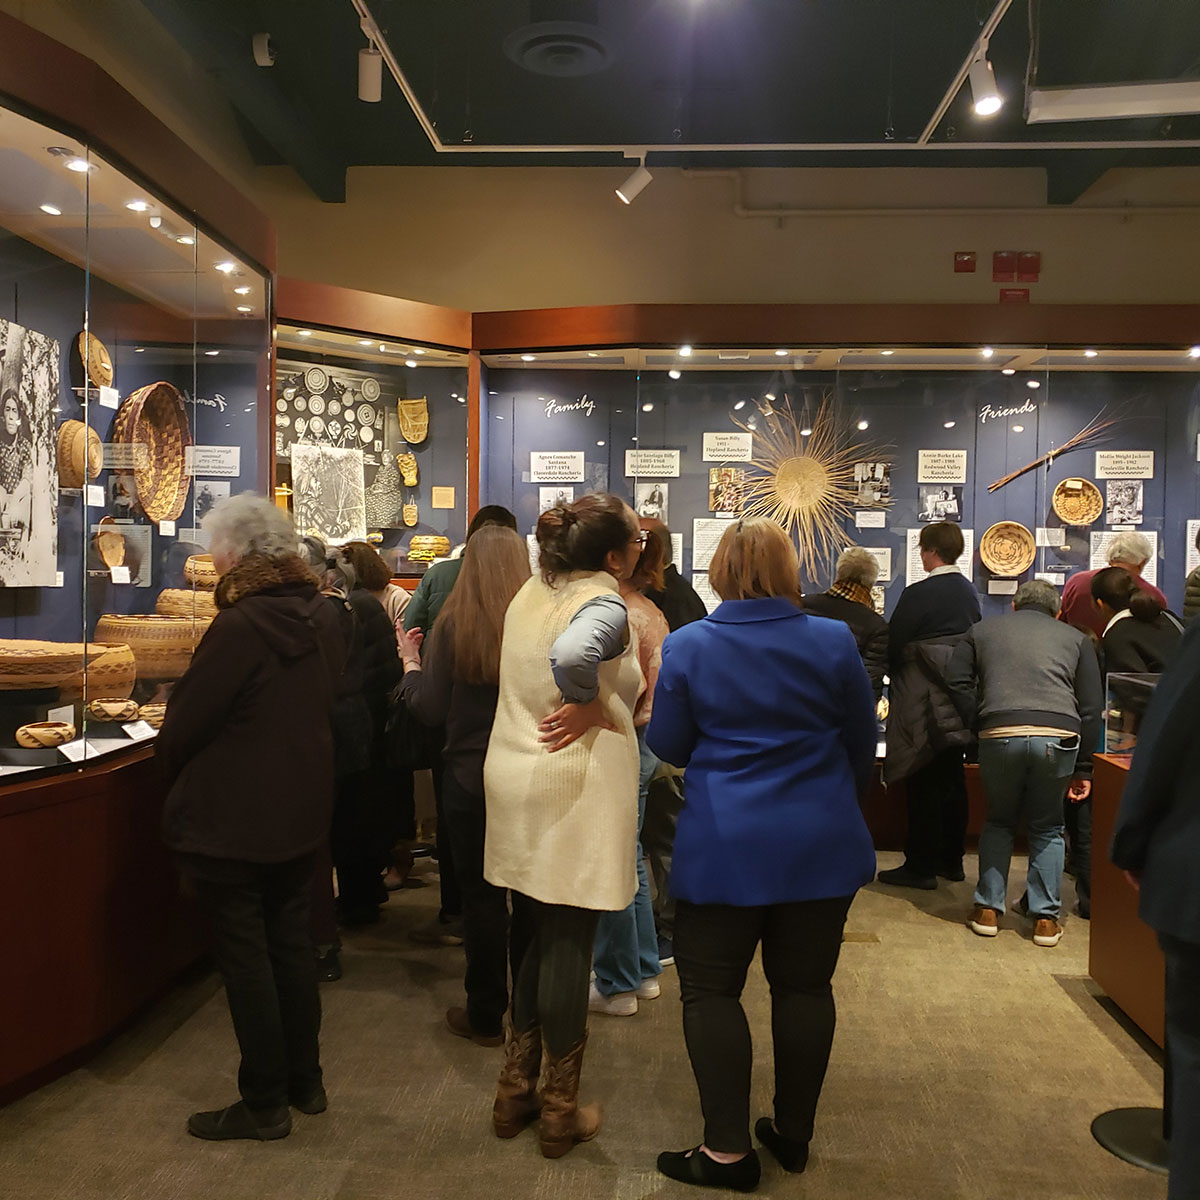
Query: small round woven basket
[
  {"x": 45, "y": 735},
  {"x": 193, "y": 603},
  {"x": 162, "y": 646},
  {"x": 425, "y": 547},
  {"x": 155, "y": 417},
  {"x": 152, "y": 714},
  {"x": 80, "y": 454},
  {"x": 112, "y": 708},
  {"x": 1007, "y": 548},
  {"x": 1077, "y": 501},
  {"x": 200, "y": 570},
  {"x": 34, "y": 664}
]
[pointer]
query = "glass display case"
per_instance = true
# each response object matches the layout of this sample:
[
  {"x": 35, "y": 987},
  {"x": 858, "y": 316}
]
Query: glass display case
[
  {"x": 1042, "y": 455},
  {"x": 1127, "y": 696},
  {"x": 370, "y": 442},
  {"x": 134, "y": 357}
]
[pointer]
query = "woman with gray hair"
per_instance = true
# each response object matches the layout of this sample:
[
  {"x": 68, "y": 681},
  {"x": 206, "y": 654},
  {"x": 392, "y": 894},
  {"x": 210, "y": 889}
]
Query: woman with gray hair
[
  {"x": 250, "y": 776},
  {"x": 849, "y": 600}
]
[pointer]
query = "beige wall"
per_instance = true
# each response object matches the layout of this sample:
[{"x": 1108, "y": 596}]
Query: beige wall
[{"x": 481, "y": 239}]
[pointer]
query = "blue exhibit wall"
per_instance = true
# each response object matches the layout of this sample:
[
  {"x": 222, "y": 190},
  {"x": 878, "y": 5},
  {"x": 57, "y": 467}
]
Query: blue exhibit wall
[
  {"x": 906, "y": 411},
  {"x": 46, "y": 294}
]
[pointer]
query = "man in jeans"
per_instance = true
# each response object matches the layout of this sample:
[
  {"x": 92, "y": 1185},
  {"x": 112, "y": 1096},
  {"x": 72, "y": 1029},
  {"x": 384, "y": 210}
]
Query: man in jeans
[{"x": 1030, "y": 686}]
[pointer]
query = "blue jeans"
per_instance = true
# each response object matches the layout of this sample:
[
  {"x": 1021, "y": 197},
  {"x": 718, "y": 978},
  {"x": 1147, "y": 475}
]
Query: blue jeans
[
  {"x": 626, "y": 942},
  {"x": 1024, "y": 777}
]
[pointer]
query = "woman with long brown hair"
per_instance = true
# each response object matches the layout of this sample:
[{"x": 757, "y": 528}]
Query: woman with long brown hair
[{"x": 456, "y": 685}]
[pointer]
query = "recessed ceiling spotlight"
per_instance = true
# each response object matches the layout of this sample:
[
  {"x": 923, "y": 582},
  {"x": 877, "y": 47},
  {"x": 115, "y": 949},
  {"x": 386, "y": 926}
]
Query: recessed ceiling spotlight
[
  {"x": 1194, "y": 352},
  {"x": 1033, "y": 383},
  {"x": 245, "y": 308},
  {"x": 647, "y": 408},
  {"x": 752, "y": 424},
  {"x": 308, "y": 333},
  {"x": 418, "y": 350},
  {"x": 226, "y": 268},
  {"x": 600, "y": 443},
  {"x": 1090, "y": 353},
  {"x": 769, "y": 396},
  {"x": 674, "y": 373},
  {"x": 1018, "y": 429},
  {"x": 139, "y": 349},
  {"x": 633, "y": 187},
  {"x": 499, "y": 417},
  {"x": 593, "y": 354},
  {"x": 987, "y": 100},
  {"x": 528, "y": 357},
  {"x": 634, "y": 438},
  {"x": 51, "y": 210},
  {"x": 863, "y": 424},
  {"x": 685, "y": 351},
  {"x": 79, "y": 165},
  {"x": 887, "y": 353},
  {"x": 806, "y": 432},
  {"x": 461, "y": 399},
  {"x": 781, "y": 354},
  {"x": 186, "y": 240},
  {"x": 212, "y": 353},
  {"x": 137, "y": 206},
  {"x": 739, "y": 405},
  {"x": 1009, "y": 371},
  {"x": 948, "y": 425},
  {"x": 453, "y": 395},
  {"x": 241, "y": 291},
  {"x": 410, "y": 362},
  {"x": 987, "y": 352}
]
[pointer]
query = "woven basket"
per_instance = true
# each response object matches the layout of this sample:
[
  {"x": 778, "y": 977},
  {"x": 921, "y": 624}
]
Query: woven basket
[
  {"x": 112, "y": 708},
  {"x": 1077, "y": 501},
  {"x": 425, "y": 547},
  {"x": 33, "y": 664},
  {"x": 152, "y": 714},
  {"x": 162, "y": 646},
  {"x": 383, "y": 498},
  {"x": 407, "y": 463},
  {"x": 410, "y": 514},
  {"x": 414, "y": 418},
  {"x": 110, "y": 543},
  {"x": 155, "y": 417},
  {"x": 1007, "y": 548},
  {"x": 200, "y": 570},
  {"x": 45, "y": 735},
  {"x": 80, "y": 454},
  {"x": 194, "y": 603},
  {"x": 91, "y": 363}
]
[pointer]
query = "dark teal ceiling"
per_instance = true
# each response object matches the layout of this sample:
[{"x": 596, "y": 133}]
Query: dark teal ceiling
[{"x": 680, "y": 72}]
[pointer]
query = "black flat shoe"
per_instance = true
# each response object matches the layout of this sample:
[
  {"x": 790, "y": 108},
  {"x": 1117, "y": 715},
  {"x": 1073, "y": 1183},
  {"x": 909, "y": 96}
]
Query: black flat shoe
[
  {"x": 237, "y": 1121},
  {"x": 791, "y": 1156},
  {"x": 329, "y": 967},
  {"x": 952, "y": 874},
  {"x": 695, "y": 1167},
  {"x": 312, "y": 1104},
  {"x": 904, "y": 877}
]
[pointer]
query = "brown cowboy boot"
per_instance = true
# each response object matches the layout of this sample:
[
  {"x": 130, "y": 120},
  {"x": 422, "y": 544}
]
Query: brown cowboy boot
[
  {"x": 563, "y": 1122},
  {"x": 517, "y": 1101}
]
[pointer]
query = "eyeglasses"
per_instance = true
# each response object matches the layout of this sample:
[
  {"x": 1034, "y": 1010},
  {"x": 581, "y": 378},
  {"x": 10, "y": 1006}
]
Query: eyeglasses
[{"x": 641, "y": 539}]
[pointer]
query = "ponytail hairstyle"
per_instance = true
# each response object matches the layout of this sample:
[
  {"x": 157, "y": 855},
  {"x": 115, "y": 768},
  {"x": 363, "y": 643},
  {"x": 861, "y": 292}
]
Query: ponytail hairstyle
[
  {"x": 579, "y": 536},
  {"x": 1120, "y": 590}
]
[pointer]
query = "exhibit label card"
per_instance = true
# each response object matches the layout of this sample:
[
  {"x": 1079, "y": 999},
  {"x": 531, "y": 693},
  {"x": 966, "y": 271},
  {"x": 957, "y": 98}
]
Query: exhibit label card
[
  {"x": 166, "y": 528},
  {"x": 1002, "y": 587},
  {"x": 140, "y": 731},
  {"x": 225, "y": 462},
  {"x": 1124, "y": 464},
  {"x": 94, "y": 494},
  {"x": 119, "y": 574},
  {"x": 706, "y": 533},
  {"x": 441, "y": 497},
  {"x": 941, "y": 466},
  {"x": 555, "y": 466},
  {"x": 126, "y": 456},
  {"x": 1051, "y": 537},
  {"x": 531, "y": 544},
  {"x": 870, "y": 518},
  {"x": 883, "y": 556},
  {"x": 654, "y": 464},
  {"x": 1192, "y": 555},
  {"x": 1054, "y": 577},
  {"x": 728, "y": 447},
  {"x": 915, "y": 572},
  {"x": 110, "y": 397},
  {"x": 677, "y": 549},
  {"x": 1099, "y": 554},
  {"x": 704, "y": 590}
]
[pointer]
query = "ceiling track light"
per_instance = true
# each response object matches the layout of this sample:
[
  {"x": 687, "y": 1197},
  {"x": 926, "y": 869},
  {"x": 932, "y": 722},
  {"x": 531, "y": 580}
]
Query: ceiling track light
[
  {"x": 986, "y": 100},
  {"x": 633, "y": 187},
  {"x": 370, "y": 74}
]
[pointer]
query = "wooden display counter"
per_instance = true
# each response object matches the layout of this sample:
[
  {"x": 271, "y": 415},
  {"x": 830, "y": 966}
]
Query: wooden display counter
[
  {"x": 886, "y": 810},
  {"x": 1123, "y": 955},
  {"x": 96, "y": 927}
]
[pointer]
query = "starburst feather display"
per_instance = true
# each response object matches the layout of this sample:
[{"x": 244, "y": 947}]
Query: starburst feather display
[{"x": 805, "y": 484}]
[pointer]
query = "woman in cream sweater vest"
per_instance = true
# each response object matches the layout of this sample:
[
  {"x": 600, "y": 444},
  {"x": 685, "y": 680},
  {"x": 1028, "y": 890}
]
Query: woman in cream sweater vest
[{"x": 561, "y": 780}]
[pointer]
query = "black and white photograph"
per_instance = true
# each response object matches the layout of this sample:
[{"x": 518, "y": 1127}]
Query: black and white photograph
[
  {"x": 122, "y": 497},
  {"x": 1124, "y": 498},
  {"x": 209, "y": 493},
  {"x": 551, "y": 497},
  {"x": 327, "y": 493},
  {"x": 725, "y": 486},
  {"x": 874, "y": 483},
  {"x": 29, "y": 364},
  {"x": 650, "y": 500},
  {"x": 940, "y": 502}
]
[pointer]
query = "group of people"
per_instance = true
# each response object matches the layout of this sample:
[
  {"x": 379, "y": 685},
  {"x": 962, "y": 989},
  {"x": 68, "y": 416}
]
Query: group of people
[{"x": 568, "y": 701}]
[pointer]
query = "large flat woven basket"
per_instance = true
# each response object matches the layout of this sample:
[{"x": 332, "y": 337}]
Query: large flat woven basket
[
  {"x": 35, "y": 664},
  {"x": 155, "y": 417},
  {"x": 162, "y": 646}
]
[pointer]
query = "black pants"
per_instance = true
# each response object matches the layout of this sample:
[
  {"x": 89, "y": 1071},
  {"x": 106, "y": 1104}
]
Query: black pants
[
  {"x": 551, "y": 988},
  {"x": 663, "y": 803},
  {"x": 450, "y": 894},
  {"x": 714, "y": 946},
  {"x": 937, "y": 815},
  {"x": 258, "y": 913},
  {"x": 360, "y": 840},
  {"x": 1078, "y": 820},
  {"x": 488, "y": 942},
  {"x": 1183, "y": 1045}
]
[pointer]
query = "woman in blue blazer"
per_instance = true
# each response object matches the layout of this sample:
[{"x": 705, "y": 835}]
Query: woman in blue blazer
[{"x": 772, "y": 713}]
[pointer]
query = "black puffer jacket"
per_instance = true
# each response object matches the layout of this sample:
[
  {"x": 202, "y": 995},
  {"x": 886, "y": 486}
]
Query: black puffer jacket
[
  {"x": 869, "y": 628},
  {"x": 922, "y": 718},
  {"x": 1191, "y": 595}
]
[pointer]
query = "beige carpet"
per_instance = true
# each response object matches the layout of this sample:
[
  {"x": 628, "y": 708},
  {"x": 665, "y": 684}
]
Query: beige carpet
[{"x": 963, "y": 1067}]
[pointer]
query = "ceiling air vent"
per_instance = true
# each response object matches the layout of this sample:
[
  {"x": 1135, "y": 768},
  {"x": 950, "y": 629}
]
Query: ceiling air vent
[{"x": 563, "y": 39}]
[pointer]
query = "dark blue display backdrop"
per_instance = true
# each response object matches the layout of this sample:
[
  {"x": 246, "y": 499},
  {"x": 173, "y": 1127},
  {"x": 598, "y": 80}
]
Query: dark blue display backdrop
[
  {"x": 43, "y": 293},
  {"x": 905, "y": 412}
]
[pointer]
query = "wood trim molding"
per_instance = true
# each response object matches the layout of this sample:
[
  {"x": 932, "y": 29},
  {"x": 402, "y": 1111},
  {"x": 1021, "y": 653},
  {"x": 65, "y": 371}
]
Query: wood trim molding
[
  {"x": 73, "y": 92},
  {"x": 838, "y": 325},
  {"x": 474, "y": 408},
  {"x": 300, "y": 302}
]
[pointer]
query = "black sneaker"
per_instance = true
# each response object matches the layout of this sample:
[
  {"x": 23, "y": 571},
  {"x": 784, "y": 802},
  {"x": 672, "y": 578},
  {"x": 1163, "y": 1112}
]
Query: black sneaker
[
  {"x": 666, "y": 952},
  {"x": 791, "y": 1156},
  {"x": 695, "y": 1167},
  {"x": 238, "y": 1121},
  {"x": 906, "y": 877},
  {"x": 329, "y": 967}
]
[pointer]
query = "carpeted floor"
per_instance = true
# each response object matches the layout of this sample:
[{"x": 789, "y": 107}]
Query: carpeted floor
[{"x": 962, "y": 1067}]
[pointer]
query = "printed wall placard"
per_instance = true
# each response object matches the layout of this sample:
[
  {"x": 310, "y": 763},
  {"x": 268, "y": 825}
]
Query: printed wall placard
[
  {"x": 652, "y": 464},
  {"x": 1192, "y": 555},
  {"x": 941, "y": 466},
  {"x": 706, "y": 533},
  {"x": 1124, "y": 464},
  {"x": 556, "y": 466},
  {"x": 870, "y": 518},
  {"x": 704, "y": 590},
  {"x": 222, "y": 461},
  {"x": 1099, "y": 553},
  {"x": 728, "y": 447},
  {"x": 441, "y": 497},
  {"x": 914, "y": 569}
]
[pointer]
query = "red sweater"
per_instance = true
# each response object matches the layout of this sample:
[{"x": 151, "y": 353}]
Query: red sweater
[{"x": 1077, "y": 606}]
